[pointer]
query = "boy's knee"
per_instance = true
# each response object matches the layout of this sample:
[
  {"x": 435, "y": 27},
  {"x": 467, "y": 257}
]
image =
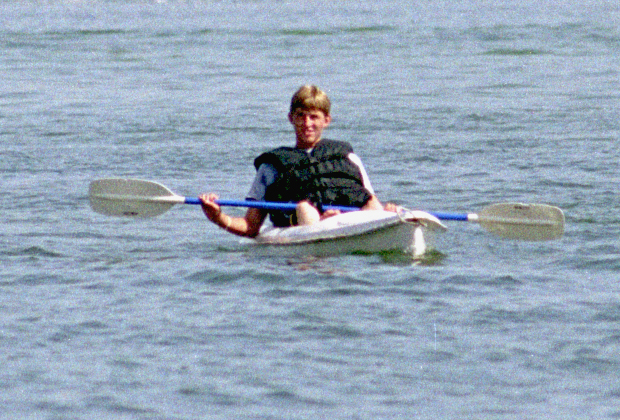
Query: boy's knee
[{"x": 307, "y": 214}]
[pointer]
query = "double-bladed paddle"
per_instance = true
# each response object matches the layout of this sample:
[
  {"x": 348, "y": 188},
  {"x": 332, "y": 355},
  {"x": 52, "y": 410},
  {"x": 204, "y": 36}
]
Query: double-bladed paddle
[{"x": 140, "y": 198}]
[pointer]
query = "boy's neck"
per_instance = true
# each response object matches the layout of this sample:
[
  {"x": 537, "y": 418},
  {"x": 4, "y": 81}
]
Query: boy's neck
[{"x": 305, "y": 146}]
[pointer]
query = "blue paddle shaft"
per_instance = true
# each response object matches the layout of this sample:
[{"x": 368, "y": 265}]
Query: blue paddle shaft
[
  {"x": 266, "y": 205},
  {"x": 192, "y": 200},
  {"x": 451, "y": 216}
]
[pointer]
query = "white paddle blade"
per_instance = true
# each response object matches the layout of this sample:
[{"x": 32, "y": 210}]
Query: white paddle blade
[
  {"x": 131, "y": 197},
  {"x": 529, "y": 222}
]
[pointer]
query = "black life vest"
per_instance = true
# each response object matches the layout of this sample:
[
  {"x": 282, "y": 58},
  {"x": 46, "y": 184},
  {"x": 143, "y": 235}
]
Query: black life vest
[{"x": 323, "y": 176}]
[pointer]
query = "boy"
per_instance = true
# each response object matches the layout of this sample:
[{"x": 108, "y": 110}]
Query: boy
[{"x": 316, "y": 171}]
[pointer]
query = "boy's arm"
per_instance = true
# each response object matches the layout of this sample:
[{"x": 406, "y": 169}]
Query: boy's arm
[
  {"x": 365, "y": 179},
  {"x": 247, "y": 226}
]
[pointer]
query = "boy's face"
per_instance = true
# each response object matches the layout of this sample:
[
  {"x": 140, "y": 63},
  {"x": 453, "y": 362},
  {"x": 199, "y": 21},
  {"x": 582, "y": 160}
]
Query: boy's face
[{"x": 309, "y": 125}]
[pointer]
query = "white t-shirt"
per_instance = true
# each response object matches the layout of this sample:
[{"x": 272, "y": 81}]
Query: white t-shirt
[{"x": 266, "y": 175}]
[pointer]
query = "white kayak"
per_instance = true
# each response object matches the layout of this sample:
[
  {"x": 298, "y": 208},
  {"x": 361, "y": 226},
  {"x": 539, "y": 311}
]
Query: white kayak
[{"x": 370, "y": 231}]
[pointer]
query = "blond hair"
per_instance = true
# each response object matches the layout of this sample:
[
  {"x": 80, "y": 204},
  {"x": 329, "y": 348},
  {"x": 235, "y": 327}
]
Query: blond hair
[{"x": 310, "y": 97}]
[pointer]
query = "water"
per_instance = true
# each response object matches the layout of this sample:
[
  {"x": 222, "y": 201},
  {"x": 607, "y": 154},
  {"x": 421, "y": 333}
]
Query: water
[{"x": 451, "y": 107}]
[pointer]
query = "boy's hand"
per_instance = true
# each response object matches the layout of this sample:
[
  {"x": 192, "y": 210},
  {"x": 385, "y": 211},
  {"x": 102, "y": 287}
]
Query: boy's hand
[
  {"x": 210, "y": 208},
  {"x": 392, "y": 207}
]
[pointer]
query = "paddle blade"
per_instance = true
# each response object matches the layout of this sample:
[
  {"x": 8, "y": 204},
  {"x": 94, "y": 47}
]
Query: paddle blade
[
  {"x": 529, "y": 222},
  {"x": 131, "y": 197}
]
